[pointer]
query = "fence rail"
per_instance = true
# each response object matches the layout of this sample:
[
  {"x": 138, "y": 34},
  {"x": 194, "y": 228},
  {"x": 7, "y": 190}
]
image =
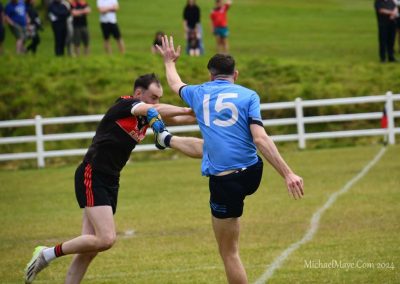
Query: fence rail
[{"x": 299, "y": 120}]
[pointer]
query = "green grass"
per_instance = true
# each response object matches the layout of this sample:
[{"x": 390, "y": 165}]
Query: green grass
[{"x": 173, "y": 240}]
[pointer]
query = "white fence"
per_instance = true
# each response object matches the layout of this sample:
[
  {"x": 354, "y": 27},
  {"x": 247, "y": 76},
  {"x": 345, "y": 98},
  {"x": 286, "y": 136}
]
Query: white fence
[{"x": 300, "y": 120}]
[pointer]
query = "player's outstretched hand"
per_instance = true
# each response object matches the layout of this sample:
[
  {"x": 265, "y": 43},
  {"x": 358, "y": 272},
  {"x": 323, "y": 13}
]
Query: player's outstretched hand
[
  {"x": 295, "y": 186},
  {"x": 155, "y": 121},
  {"x": 167, "y": 49}
]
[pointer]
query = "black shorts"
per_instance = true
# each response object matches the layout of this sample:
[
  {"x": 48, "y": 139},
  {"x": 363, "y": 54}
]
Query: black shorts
[
  {"x": 93, "y": 188},
  {"x": 228, "y": 192},
  {"x": 110, "y": 29}
]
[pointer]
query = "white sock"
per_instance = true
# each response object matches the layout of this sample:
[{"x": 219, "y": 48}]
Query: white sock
[{"x": 49, "y": 254}]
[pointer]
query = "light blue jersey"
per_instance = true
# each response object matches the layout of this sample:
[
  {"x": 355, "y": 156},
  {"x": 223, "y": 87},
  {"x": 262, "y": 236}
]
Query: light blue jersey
[{"x": 224, "y": 112}]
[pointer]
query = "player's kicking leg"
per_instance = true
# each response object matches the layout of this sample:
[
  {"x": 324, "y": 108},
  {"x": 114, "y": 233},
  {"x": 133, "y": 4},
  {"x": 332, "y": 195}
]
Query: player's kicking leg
[
  {"x": 87, "y": 245},
  {"x": 190, "y": 146}
]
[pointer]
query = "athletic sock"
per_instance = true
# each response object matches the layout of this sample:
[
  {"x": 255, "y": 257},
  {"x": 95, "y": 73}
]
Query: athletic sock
[
  {"x": 164, "y": 138},
  {"x": 167, "y": 140},
  {"x": 52, "y": 253}
]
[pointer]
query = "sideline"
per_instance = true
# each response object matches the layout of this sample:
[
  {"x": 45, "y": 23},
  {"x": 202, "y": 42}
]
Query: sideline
[{"x": 314, "y": 223}]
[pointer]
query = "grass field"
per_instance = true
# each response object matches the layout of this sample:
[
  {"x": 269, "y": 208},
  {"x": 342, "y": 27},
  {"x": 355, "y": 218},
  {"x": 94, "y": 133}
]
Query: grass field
[{"x": 172, "y": 240}]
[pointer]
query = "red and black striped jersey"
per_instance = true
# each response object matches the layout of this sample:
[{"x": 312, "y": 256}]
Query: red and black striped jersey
[{"x": 116, "y": 136}]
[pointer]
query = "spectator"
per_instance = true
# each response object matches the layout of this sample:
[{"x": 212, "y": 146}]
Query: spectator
[
  {"x": 386, "y": 12},
  {"x": 2, "y": 31},
  {"x": 80, "y": 9},
  {"x": 191, "y": 21},
  {"x": 16, "y": 18},
  {"x": 220, "y": 24},
  {"x": 109, "y": 26},
  {"x": 398, "y": 24},
  {"x": 70, "y": 29},
  {"x": 59, "y": 12},
  {"x": 33, "y": 27},
  {"x": 157, "y": 41},
  {"x": 193, "y": 43}
]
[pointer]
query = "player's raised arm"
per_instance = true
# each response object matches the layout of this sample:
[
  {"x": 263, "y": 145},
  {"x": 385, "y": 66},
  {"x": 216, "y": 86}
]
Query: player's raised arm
[
  {"x": 268, "y": 149},
  {"x": 170, "y": 55}
]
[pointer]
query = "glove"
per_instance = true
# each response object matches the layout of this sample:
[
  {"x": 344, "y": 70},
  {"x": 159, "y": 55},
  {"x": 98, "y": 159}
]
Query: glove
[{"x": 154, "y": 120}]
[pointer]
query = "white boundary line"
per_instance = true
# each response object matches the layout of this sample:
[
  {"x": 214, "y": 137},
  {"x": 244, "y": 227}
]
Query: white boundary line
[{"x": 314, "y": 223}]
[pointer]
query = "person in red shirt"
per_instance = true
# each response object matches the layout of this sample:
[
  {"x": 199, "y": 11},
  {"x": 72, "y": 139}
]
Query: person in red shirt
[{"x": 219, "y": 21}]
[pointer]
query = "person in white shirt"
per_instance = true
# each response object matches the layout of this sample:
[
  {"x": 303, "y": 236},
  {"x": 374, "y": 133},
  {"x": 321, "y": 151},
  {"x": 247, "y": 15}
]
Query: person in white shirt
[{"x": 109, "y": 26}]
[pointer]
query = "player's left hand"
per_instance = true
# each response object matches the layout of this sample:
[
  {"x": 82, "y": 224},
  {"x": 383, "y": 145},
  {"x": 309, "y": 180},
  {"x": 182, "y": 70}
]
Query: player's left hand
[
  {"x": 295, "y": 185},
  {"x": 155, "y": 121}
]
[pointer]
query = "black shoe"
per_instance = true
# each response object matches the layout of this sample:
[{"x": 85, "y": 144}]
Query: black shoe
[{"x": 392, "y": 60}]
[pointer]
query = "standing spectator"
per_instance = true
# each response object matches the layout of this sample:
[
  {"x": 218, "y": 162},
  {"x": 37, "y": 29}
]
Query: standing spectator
[
  {"x": 191, "y": 21},
  {"x": 16, "y": 18},
  {"x": 70, "y": 29},
  {"x": 219, "y": 21},
  {"x": 109, "y": 26},
  {"x": 2, "y": 31},
  {"x": 398, "y": 24},
  {"x": 58, "y": 14},
  {"x": 386, "y": 12},
  {"x": 33, "y": 27},
  {"x": 80, "y": 9}
]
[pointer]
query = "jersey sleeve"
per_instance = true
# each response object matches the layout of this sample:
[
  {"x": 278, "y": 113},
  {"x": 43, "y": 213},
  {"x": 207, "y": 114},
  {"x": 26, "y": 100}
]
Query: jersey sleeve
[
  {"x": 254, "y": 110},
  {"x": 186, "y": 93},
  {"x": 122, "y": 108}
]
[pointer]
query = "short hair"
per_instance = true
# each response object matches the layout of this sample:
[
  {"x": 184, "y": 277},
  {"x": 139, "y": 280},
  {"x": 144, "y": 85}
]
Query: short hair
[
  {"x": 145, "y": 81},
  {"x": 221, "y": 64}
]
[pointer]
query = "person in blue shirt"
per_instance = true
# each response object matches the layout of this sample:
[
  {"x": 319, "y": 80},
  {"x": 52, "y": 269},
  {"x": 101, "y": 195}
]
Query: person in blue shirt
[
  {"x": 230, "y": 122},
  {"x": 16, "y": 17}
]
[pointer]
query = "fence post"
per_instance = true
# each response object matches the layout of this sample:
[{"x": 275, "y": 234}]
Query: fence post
[
  {"x": 39, "y": 141},
  {"x": 390, "y": 118},
  {"x": 300, "y": 123}
]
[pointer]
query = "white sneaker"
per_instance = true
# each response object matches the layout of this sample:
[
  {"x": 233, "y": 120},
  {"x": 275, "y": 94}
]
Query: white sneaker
[{"x": 35, "y": 265}]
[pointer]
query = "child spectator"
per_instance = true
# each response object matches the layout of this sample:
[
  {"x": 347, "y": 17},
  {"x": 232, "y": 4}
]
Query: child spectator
[
  {"x": 33, "y": 27},
  {"x": 157, "y": 41},
  {"x": 80, "y": 9},
  {"x": 16, "y": 18},
  {"x": 193, "y": 43},
  {"x": 220, "y": 24}
]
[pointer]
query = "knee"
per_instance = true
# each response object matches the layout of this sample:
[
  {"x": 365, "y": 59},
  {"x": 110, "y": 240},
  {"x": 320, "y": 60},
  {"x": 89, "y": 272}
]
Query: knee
[{"x": 106, "y": 242}]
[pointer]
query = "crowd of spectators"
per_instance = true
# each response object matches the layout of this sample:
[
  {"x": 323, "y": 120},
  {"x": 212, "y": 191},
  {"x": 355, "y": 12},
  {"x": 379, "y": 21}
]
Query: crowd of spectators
[{"x": 69, "y": 23}]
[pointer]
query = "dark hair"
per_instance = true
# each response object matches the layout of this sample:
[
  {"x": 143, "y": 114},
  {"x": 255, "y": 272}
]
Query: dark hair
[
  {"x": 221, "y": 64},
  {"x": 145, "y": 81}
]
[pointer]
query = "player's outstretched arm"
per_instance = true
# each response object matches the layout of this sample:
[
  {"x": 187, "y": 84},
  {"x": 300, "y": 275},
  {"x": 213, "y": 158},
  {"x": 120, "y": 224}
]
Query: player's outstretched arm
[
  {"x": 267, "y": 147},
  {"x": 170, "y": 55}
]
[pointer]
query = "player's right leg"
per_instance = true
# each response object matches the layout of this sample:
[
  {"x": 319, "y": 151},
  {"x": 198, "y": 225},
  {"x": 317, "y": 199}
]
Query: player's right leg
[{"x": 227, "y": 235}]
